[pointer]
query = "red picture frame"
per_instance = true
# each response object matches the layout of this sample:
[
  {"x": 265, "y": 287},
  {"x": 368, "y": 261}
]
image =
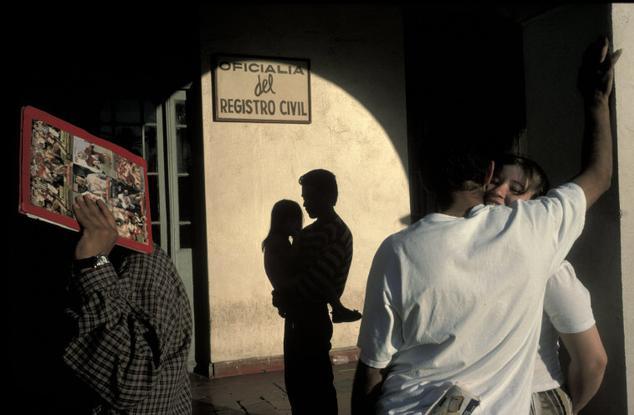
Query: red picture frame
[{"x": 60, "y": 161}]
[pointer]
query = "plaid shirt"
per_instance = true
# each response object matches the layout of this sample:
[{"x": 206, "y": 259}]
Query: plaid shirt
[{"x": 133, "y": 334}]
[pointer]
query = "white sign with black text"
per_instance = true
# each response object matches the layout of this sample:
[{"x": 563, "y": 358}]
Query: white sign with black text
[{"x": 260, "y": 89}]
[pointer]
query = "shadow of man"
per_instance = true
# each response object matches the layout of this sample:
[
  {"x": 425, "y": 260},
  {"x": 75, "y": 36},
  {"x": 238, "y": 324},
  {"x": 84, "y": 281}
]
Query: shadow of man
[{"x": 324, "y": 255}]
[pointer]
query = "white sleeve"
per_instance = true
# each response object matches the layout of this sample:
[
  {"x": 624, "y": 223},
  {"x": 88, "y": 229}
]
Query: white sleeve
[
  {"x": 380, "y": 334},
  {"x": 567, "y": 301},
  {"x": 557, "y": 220}
]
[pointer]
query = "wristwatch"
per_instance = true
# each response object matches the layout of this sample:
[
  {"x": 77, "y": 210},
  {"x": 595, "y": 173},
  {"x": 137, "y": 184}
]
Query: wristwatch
[{"x": 92, "y": 262}]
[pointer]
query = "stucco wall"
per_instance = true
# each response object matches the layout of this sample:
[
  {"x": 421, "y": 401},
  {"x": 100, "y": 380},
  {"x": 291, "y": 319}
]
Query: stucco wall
[
  {"x": 358, "y": 131},
  {"x": 553, "y": 47},
  {"x": 623, "y": 31}
]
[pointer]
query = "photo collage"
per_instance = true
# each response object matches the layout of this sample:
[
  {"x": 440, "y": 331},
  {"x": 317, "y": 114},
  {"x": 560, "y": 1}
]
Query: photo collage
[{"x": 64, "y": 166}]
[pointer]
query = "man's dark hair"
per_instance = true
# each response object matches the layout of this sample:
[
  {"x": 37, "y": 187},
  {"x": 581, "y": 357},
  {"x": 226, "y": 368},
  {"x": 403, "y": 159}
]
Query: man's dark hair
[
  {"x": 456, "y": 170},
  {"x": 538, "y": 182},
  {"x": 325, "y": 183}
]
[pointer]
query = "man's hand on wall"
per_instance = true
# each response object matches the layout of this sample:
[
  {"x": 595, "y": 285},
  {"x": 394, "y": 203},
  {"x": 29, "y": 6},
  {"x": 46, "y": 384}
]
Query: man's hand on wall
[{"x": 596, "y": 74}]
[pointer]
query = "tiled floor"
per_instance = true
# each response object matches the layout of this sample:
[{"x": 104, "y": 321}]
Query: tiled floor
[{"x": 260, "y": 394}]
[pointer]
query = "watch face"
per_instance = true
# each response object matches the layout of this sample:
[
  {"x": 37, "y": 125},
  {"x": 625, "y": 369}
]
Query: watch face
[{"x": 101, "y": 260}]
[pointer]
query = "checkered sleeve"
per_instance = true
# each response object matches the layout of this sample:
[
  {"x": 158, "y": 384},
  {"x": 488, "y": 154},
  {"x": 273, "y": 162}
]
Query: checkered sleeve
[{"x": 122, "y": 339}]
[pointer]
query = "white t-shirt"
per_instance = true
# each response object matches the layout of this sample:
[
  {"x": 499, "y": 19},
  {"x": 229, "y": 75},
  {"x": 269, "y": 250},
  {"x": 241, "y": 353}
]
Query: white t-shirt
[
  {"x": 460, "y": 300},
  {"x": 567, "y": 309}
]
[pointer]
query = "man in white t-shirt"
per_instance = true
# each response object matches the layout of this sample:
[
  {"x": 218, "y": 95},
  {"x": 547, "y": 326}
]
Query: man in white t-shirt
[{"x": 457, "y": 297}]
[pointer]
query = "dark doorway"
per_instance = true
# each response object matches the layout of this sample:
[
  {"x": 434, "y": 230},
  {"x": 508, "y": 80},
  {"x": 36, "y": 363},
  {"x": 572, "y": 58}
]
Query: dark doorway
[{"x": 465, "y": 86}]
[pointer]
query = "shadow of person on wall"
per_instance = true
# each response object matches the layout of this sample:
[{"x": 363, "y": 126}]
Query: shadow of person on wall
[{"x": 307, "y": 275}]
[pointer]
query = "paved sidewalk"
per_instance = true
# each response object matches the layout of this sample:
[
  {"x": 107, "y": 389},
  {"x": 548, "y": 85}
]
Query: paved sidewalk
[{"x": 259, "y": 394}]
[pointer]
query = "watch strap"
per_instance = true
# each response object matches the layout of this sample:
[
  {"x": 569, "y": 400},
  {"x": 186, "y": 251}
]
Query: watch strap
[{"x": 92, "y": 262}]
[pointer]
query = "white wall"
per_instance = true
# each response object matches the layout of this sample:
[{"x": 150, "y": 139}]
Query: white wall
[
  {"x": 553, "y": 47},
  {"x": 358, "y": 131},
  {"x": 623, "y": 31}
]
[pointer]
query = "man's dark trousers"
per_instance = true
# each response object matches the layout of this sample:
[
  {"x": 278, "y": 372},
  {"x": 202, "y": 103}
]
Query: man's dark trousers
[{"x": 307, "y": 368}]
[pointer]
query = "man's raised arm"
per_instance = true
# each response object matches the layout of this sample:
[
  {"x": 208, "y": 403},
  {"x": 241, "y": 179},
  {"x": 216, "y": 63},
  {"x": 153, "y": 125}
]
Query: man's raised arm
[{"x": 596, "y": 78}]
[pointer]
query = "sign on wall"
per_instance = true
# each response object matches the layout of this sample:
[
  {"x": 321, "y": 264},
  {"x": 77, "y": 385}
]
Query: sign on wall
[{"x": 261, "y": 89}]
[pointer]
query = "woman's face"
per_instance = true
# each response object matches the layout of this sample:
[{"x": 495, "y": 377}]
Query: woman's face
[{"x": 508, "y": 185}]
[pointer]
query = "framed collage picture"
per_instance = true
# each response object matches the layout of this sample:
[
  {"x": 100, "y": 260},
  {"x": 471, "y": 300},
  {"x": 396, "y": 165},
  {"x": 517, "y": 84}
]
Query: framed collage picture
[{"x": 60, "y": 161}]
